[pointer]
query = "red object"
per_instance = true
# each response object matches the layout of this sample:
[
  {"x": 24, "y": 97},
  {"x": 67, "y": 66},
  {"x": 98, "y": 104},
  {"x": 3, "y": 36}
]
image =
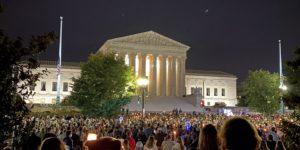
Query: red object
[
  {"x": 202, "y": 103},
  {"x": 131, "y": 143}
]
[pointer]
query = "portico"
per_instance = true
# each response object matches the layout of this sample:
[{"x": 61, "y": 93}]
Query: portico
[{"x": 152, "y": 55}]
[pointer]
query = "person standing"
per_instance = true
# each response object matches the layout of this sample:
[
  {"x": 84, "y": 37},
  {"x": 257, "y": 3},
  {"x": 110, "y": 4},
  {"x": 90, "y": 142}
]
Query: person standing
[
  {"x": 167, "y": 144},
  {"x": 179, "y": 145},
  {"x": 68, "y": 140},
  {"x": 208, "y": 138},
  {"x": 239, "y": 134},
  {"x": 130, "y": 140},
  {"x": 150, "y": 144}
]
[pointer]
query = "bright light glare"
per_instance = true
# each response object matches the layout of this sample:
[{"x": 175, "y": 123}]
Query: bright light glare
[
  {"x": 92, "y": 136},
  {"x": 283, "y": 87},
  {"x": 142, "y": 82}
]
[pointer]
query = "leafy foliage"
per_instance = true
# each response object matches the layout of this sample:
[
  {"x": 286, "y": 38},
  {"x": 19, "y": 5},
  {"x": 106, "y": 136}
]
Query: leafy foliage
[
  {"x": 242, "y": 102},
  {"x": 261, "y": 90},
  {"x": 17, "y": 62},
  {"x": 292, "y": 70},
  {"x": 105, "y": 85}
]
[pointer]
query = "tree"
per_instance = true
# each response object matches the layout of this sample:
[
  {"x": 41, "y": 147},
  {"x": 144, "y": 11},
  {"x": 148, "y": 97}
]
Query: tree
[
  {"x": 17, "y": 62},
  {"x": 261, "y": 89},
  {"x": 242, "y": 101},
  {"x": 104, "y": 87},
  {"x": 241, "y": 98},
  {"x": 292, "y": 69}
]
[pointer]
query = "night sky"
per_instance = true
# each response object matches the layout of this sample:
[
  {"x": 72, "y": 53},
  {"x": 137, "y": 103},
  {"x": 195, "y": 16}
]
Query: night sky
[{"x": 234, "y": 36}]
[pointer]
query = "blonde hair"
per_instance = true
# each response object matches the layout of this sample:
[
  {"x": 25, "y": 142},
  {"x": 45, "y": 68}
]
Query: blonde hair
[
  {"x": 150, "y": 142},
  {"x": 181, "y": 143}
]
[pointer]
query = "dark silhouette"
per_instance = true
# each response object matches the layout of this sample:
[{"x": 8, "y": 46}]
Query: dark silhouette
[
  {"x": 237, "y": 133},
  {"x": 208, "y": 138}
]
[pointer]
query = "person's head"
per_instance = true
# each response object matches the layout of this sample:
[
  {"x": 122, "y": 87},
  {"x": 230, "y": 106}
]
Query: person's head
[
  {"x": 273, "y": 129},
  {"x": 237, "y": 133},
  {"x": 69, "y": 133},
  {"x": 181, "y": 143},
  {"x": 128, "y": 133},
  {"x": 208, "y": 138},
  {"x": 48, "y": 135},
  {"x": 150, "y": 142},
  {"x": 270, "y": 137},
  {"x": 126, "y": 144},
  {"x": 104, "y": 143},
  {"x": 168, "y": 137},
  {"x": 52, "y": 143},
  {"x": 139, "y": 145}
]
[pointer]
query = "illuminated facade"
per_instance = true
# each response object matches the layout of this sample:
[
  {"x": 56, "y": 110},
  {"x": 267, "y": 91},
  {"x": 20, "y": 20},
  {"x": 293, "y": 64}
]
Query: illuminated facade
[
  {"x": 152, "y": 55},
  {"x": 162, "y": 61}
]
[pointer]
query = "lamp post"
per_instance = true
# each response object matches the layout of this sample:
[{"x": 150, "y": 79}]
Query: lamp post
[
  {"x": 143, "y": 82},
  {"x": 281, "y": 84}
]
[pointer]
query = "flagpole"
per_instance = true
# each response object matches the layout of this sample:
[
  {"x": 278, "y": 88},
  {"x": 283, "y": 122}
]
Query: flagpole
[
  {"x": 281, "y": 85},
  {"x": 59, "y": 63},
  {"x": 280, "y": 62}
]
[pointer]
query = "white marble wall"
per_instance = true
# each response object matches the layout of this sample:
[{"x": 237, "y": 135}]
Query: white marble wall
[
  {"x": 212, "y": 82},
  {"x": 227, "y": 83},
  {"x": 49, "y": 96}
]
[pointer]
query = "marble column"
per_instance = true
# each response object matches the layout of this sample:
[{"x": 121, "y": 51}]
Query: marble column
[
  {"x": 131, "y": 57},
  {"x": 153, "y": 73},
  {"x": 143, "y": 65},
  {"x": 182, "y": 77},
  {"x": 173, "y": 81},
  {"x": 169, "y": 76},
  {"x": 163, "y": 75}
]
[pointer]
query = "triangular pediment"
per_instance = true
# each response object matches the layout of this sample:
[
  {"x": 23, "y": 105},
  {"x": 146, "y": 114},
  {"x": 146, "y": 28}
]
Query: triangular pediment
[{"x": 149, "y": 38}]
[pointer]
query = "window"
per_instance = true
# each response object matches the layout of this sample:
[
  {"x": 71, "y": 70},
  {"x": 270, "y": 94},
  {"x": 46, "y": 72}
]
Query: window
[
  {"x": 200, "y": 91},
  {"x": 65, "y": 86},
  {"x": 208, "y": 103},
  {"x": 43, "y": 86},
  {"x": 215, "y": 92},
  {"x": 207, "y": 91},
  {"x": 54, "y": 86},
  {"x": 223, "y": 91}
]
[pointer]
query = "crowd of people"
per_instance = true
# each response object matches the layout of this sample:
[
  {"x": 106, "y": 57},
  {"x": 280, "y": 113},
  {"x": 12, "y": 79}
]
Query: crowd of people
[{"x": 155, "y": 131}]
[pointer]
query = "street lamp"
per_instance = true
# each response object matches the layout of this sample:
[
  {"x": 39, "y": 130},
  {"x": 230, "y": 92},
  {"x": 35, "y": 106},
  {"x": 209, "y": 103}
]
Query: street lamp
[{"x": 143, "y": 82}]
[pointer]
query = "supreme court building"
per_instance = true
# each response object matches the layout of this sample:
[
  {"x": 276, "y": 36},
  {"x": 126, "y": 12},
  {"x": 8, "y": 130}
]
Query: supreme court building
[{"x": 158, "y": 58}]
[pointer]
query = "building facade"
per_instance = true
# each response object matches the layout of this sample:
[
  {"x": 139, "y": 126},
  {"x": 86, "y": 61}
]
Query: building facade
[
  {"x": 212, "y": 86},
  {"x": 154, "y": 56},
  {"x": 46, "y": 88}
]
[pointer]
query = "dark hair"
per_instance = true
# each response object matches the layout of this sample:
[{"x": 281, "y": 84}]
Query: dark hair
[
  {"x": 52, "y": 143},
  {"x": 208, "y": 138},
  {"x": 48, "y": 135},
  {"x": 237, "y": 133},
  {"x": 104, "y": 143},
  {"x": 68, "y": 132},
  {"x": 270, "y": 137}
]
